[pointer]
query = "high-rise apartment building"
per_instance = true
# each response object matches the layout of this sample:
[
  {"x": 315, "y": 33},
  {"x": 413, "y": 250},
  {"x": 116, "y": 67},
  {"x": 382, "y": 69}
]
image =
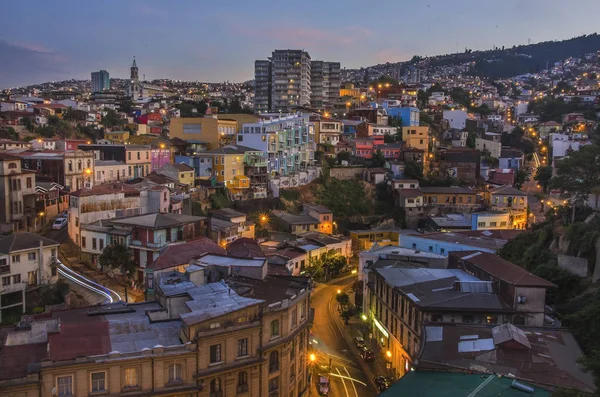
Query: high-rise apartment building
[
  {"x": 100, "y": 81},
  {"x": 262, "y": 81},
  {"x": 289, "y": 81},
  {"x": 325, "y": 84}
]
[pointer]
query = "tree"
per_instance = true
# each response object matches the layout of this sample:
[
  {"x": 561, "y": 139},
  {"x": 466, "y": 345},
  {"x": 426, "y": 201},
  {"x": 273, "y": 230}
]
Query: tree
[
  {"x": 343, "y": 299},
  {"x": 29, "y": 123},
  {"x": 328, "y": 264},
  {"x": 578, "y": 173},
  {"x": 543, "y": 176},
  {"x": 343, "y": 197},
  {"x": 111, "y": 119},
  {"x": 520, "y": 177},
  {"x": 471, "y": 140},
  {"x": 378, "y": 159},
  {"x": 413, "y": 170},
  {"x": 343, "y": 156},
  {"x": 118, "y": 256}
]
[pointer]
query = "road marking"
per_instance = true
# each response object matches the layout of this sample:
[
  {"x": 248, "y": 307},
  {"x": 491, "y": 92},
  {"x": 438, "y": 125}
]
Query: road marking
[
  {"x": 343, "y": 382},
  {"x": 349, "y": 378},
  {"x": 352, "y": 382}
]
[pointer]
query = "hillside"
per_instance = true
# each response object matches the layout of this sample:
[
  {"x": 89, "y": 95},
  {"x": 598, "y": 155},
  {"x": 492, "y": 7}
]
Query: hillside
[{"x": 501, "y": 62}]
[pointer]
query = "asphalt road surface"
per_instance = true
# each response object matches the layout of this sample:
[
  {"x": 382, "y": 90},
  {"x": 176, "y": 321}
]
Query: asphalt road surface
[{"x": 346, "y": 377}]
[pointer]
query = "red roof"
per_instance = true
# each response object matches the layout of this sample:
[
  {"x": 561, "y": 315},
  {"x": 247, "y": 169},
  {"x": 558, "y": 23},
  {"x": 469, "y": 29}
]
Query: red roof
[
  {"x": 180, "y": 254},
  {"x": 80, "y": 335},
  {"x": 109, "y": 188},
  {"x": 502, "y": 269},
  {"x": 245, "y": 248}
]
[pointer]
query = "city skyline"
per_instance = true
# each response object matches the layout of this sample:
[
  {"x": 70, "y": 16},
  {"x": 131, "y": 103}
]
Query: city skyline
[{"x": 220, "y": 42}]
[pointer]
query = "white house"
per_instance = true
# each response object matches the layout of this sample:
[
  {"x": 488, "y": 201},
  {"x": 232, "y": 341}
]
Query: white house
[{"x": 25, "y": 262}]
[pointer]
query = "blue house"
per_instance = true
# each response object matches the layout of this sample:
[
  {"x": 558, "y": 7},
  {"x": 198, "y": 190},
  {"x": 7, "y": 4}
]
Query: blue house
[{"x": 443, "y": 243}]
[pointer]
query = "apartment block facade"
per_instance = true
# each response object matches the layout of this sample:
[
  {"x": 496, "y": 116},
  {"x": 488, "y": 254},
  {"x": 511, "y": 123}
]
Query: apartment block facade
[
  {"x": 325, "y": 84},
  {"x": 289, "y": 142}
]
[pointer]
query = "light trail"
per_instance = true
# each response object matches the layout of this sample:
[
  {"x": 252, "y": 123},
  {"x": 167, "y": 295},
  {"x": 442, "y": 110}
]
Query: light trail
[
  {"x": 343, "y": 382},
  {"x": 107, "y": 290},
  {"x": 109, "y": 299},
  {"x": 349, "y": 378},
  {"x": 351, "y": 382}
]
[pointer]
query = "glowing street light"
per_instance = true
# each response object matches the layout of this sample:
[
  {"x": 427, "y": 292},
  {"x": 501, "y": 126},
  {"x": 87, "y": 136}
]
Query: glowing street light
[
  {"x": 364, "y": 317},
  {"x": 389, "y": 354},
  {"x": 339, "y": 291},
  {"x": 312, "y": 357}
]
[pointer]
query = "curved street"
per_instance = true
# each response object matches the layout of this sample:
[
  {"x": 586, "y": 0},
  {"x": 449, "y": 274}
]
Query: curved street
[{"x": 331, "y": 342}]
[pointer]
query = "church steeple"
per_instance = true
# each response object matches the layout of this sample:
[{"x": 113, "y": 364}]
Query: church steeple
[{"x": 134, "y": 71}]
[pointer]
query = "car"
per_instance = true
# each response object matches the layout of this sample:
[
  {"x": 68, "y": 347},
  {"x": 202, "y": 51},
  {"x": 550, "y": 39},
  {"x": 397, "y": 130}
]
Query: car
[
  {"x": 59, "y": 223},
  {"x": 359, "y": 342},
  {"x": 367, "y": 354},
  {"x": 382, "y": 382},
  {"x": 323, "y": 384}
]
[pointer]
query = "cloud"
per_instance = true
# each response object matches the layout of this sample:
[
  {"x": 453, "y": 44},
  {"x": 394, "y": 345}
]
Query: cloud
[
  {"x": 307, "y": 37},
  {"x": 391, "y": 55},
  {"x": 29, "y": 63}
]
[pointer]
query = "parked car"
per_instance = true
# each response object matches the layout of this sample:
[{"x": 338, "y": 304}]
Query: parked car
[
  {"x": 59, "y": 223},
  {"x": 359, "y": 342},
  {"x": 323, "y": 383},
  {"x": 382, "y": 382},
  {"x": 367, "y": 354}
]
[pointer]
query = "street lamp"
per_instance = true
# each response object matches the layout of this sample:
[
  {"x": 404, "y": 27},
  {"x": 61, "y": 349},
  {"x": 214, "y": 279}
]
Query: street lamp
[
  {"x": 364, "y": 317},
  {"x": 312, "y": 357},
  {"x": 339, "y": 291},
  {"x": 388, "y": 354}
]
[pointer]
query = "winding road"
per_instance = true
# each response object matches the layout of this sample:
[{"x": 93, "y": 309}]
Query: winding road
[{"x": 334, "y": 355}]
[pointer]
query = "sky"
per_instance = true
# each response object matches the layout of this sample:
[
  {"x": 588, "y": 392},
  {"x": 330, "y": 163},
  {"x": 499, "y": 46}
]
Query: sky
[{"x": 214, "y": 41}]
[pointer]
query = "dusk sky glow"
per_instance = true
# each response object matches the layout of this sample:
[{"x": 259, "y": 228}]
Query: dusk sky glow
[{"x": 217, "y": 41}]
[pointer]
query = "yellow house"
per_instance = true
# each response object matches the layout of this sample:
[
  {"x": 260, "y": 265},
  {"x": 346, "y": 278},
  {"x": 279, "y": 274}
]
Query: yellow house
[
  {"x": 416, "y": 137},
  {"x": 117, "y": 136},
  {"x": 185, "y": 174},
  {"x": 365, "y": 239},
  {"x": 228, "y": 167},
  {"x": 211, "y": 129}
]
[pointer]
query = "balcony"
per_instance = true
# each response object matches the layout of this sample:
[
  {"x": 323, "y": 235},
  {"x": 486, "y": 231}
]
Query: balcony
[
  {"x": 242, "y": 389},
  {"x": 138, "y": 243}
]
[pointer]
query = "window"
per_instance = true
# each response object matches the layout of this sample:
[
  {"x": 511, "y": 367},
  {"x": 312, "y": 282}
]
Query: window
[
  {"x": 481, "y": 224},
  {"x": 430, "y": 248},
  {"x": 192, "y": 128},
  {"x": 274, "y": 361},
  {"x": 274, "y": 384},
  {"x": 222, "y": 160},
  {"x": 4, "y": 266},
  {"x": 215, "y": 354},
  {"x": 147, "y": 156},
  {"x": 70, "y": 165},
  {"x": 274, "y": 328},
  {"x": 83, "y": 241},
  {"x": 16, "y": 278},
  {"x": 242, "y": 349},
  {"x": 98, "y": 380},
  {"x": 215, "y": 387},
  {"x": 79, "y": 165},
  {"x": 94, "y": 244},
  {"x": 31, "y": 256},
  {"x": 64, "y": 385},
  {"x": 32, "y": 278},
  {"x": 294, "y": 317},
  {"x": 242, "y": 385},
  {"x": 6, "y": 281},
  {"x": 139, "y": 157},
  {"x": 436, "y": 318},
  {"x": 467, "y": 319},
  {"x": 502, "y": 224},
  {"x": 131, "y": 377},
  {"x": 175, "y": 373},
  {"x": 12, "y": 166},
  {"x": 101, "y": 244},
  {"x": 492, "y": 224},
  {"x": 302, "y": 305},
  {"x": 76, "y": 221},
  {"x": 29, "y": 183},
  {"x": 442, "y": 251},
  {"x": 16, "y": 258}
]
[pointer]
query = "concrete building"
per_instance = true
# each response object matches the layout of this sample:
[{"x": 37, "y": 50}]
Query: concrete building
[
  {"x": 456, "y": 118},
  {"x": 26, "y": 262},
  {"x": 325, "y": 84},
  {"x": 18, "y": 188},
  {"x": 109, "y": 171},
  {"x": 442, "y": 243},
  {"x": 150, "y": 233},
  {"x": 288, "y": 140},
  {"x": 262, "y": 86},
  {"x": 213, "y": 331},
  {"x": 510, "y": 200},
  {"x": 416, "y": 137},
  {"x": 73, "y": 169},
  {"x": 288, "y": 75},
  {"x": 100, "y": 81},
  {"x": 182, "y": 173}
]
